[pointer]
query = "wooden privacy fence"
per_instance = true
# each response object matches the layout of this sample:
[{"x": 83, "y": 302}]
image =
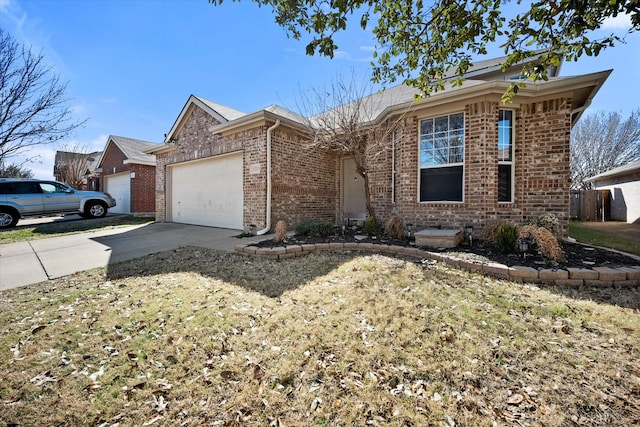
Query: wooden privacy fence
[{"x": 590, "y": 205}]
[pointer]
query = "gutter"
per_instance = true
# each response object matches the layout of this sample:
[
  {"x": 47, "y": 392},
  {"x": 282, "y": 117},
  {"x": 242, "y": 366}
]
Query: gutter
[{"x": 268, "y": 221}]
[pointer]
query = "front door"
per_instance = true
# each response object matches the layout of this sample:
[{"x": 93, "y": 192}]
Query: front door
[{"x": 354, "y": 202}]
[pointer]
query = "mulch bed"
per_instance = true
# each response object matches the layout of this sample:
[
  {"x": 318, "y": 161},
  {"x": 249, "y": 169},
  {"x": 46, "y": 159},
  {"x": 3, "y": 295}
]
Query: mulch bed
[{"x": 577, "y": 255}]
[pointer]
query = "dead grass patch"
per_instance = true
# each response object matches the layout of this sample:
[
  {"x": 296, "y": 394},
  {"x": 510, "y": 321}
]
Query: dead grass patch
[{"x": 197, "y": 337}]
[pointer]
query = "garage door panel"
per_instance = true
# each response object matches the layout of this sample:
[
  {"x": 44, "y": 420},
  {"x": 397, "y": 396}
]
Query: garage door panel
[
  {"x": 119, "y": 186},
  {"x": 208, "y": 192}
]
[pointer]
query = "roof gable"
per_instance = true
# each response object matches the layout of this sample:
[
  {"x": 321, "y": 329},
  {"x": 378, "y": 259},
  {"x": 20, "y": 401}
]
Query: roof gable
[
  {"x": 134, "y": 150},
  {"x": 219, "y": 112}
]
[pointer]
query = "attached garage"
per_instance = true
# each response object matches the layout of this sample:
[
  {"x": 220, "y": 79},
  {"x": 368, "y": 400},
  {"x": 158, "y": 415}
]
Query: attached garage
[
  {"x": 207, "y": 192},
  {"x": 119, "y": 186}
]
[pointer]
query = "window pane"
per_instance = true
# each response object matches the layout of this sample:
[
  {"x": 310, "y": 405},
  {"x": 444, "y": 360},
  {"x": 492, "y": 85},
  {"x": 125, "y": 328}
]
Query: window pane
[
  {"x": 441, "y": 156},
  {"x": 505, "y": 132},
  {"x": 445, "y": 136},
  {"x": 441, "y": 184},
  {"x": 456, "y": 121},
  {"x": 504, "y": 183},
  {"x": 455, "y": 155},
  {"x": 426, "y": 127},
  {"x": 442, "y": 124},
  {"x": 426, "y": 158}
]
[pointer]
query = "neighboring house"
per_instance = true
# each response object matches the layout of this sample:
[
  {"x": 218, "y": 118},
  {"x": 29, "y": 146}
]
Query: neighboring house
[
  {"x": 76, "y": 169},
  {"x": 456, "y": 158},
  {"x": 128, "y": 173},
  {"x": 624, "y": 184}
]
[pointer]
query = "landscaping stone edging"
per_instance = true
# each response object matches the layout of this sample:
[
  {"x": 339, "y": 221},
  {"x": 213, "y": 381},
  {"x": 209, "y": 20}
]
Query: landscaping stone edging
[{"x": 596, "y": 276}]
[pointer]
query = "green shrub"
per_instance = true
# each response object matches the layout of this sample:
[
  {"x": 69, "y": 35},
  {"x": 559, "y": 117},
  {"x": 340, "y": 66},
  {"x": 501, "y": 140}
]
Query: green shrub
[
  {"x": 548, "y": 221},
  {"x": 315, "y": 228},
  {"x": 507, "y": 238},
  {"x": 370, "y": 225}
]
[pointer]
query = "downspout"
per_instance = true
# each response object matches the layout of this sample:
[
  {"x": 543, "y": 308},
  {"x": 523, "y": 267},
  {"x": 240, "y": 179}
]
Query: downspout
[{"x": 268, "y": 221}]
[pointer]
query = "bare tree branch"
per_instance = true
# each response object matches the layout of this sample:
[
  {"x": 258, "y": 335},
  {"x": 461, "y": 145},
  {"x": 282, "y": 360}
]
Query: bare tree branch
[
  {"x": 71, "y": 164},
  {"x": 342, "y": 118},
  {"x": 603, "y": 141},
  {"x": 33, "y": 104}
]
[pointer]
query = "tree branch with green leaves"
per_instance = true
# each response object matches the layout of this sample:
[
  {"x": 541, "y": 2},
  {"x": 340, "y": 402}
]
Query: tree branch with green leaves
[{"x": 427, "y": 43}]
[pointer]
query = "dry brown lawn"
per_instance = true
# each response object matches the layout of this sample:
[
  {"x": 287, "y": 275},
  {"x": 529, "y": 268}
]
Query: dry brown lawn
[{"x": 198, "y": 337}]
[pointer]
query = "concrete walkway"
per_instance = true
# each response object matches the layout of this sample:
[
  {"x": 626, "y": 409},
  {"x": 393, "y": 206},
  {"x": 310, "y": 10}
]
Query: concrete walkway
[{"x": 35, "y": 261}]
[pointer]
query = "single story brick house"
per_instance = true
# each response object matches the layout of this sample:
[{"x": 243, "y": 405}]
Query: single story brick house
[
  {"x": 128, "y": 173},
  {"x": 69, "y": 166},
  {"x": 624, "y": 184},
  {"x": 458, "y": 157}
]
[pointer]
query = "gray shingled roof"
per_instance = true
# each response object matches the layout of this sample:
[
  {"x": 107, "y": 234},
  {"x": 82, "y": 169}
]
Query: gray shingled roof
[
  {"x": 133, "y": 149},
  {"x": 372, "y": 106},
  {"x": 226, "y": 112},
  {"x": 283, "y": 112},
  {"x": 620, "y": 170}
]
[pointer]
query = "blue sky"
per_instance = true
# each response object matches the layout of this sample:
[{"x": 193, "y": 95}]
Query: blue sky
[{"x": 132, "y": 64}]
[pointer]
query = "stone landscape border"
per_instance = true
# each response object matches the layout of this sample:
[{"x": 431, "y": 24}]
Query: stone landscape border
[{"x": 595, "y": 276}]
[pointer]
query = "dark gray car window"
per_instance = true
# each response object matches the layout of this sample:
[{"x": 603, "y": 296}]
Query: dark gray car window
[{"x": 20, "y": 188}]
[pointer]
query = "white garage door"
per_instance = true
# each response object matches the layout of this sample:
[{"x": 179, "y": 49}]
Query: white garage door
[
  {"x": 119, "y": 186},
  {"x": 207, "y": 192}
]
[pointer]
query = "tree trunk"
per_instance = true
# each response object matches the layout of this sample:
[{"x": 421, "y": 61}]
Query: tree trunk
[{"x": 367, "y": 195}]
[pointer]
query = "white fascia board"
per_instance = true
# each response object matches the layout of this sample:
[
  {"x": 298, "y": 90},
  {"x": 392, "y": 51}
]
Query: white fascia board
[
  {"x": 193, "y": 100},
  {"x": 167, "y": 147},
  {"x": 257, "y": 118},
  {"x": 139, "y": 162},
  {"x": 104, "y": 152}
]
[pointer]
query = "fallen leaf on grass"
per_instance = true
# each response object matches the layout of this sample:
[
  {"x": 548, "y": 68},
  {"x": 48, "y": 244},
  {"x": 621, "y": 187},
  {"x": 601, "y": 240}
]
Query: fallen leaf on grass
[
  {"x": 153, "y": 420},
  {"x": 43, "y": 378},
  {"x": 515, "y": 399},
  {"x": 158, "y": 403},
  {"x": 316, "y": 404},
  {"x": 37, "y": 329},
  {"x": 164, "y": 384}
]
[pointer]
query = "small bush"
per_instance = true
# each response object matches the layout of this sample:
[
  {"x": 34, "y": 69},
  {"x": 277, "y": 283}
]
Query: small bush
[
  {"x": 490, "y": 231},
  {"x": 544, "y": 240},
  {"x": 315, "y": 228},
  {"x": 281, "y": 231},
  {"x": 548, "y": 221},
  {"x": 370, "y": 225},
  {"x": 507, "y": 238},
  {"x": 394, "y": 227}
]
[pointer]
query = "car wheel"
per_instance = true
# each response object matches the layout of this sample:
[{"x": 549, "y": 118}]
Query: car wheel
[
  {"x": 8, "y": 218},
  {"x": 95, "y": 210}
]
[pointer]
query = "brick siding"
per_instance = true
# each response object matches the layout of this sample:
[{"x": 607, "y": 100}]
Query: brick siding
[
  {"x": 143, "y": 196},
  {"x": 542, "y": 175},
  {"x": 306, "y": 184},
  {"x": 303, "y": 182}
]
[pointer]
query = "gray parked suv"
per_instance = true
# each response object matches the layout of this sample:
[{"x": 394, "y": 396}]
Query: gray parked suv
[{"x": 21, "y": 198}]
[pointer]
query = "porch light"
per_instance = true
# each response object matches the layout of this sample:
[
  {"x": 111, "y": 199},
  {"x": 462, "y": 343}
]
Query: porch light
[
  {"x": 409, "y": 230},
  {"x": 468, "y": 231},
  {"x": 523, "y": 247}
]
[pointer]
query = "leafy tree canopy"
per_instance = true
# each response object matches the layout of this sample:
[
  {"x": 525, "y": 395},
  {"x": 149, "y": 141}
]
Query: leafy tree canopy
[{"x": 419, "y": 41}]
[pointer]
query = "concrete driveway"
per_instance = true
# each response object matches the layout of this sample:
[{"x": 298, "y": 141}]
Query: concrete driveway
[{"x": 35, "y": 261}]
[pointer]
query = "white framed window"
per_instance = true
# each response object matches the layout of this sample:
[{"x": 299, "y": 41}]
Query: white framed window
[
  {"x": 442, "y": 159},
  {"x": 505, "y": 156}
]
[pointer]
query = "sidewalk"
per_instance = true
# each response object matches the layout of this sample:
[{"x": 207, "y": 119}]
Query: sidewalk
[{"x": 35, "y": 261}]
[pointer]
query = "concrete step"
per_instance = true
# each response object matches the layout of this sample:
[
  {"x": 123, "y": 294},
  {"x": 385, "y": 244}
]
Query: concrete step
[{"x": 439, "y": 238}]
